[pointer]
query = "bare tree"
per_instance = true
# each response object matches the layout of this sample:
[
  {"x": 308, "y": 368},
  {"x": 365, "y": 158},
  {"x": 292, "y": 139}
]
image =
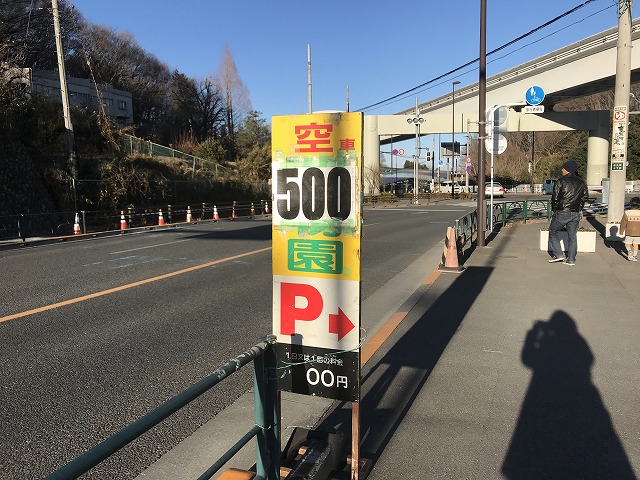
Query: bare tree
[
  {"x": 236, "y": 97},
  {"x": 197, "y": 107}
]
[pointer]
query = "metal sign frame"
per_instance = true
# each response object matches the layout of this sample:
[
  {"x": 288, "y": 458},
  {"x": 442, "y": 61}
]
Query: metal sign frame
[{"x": 317, "y": 209}]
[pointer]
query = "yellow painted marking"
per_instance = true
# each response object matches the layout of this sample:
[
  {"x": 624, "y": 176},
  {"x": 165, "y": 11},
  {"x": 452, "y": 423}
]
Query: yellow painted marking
[
  {"x": 372, "y": 345},
  {"x": 432, "y": 278},
  {"x": 125, "y": 287}
]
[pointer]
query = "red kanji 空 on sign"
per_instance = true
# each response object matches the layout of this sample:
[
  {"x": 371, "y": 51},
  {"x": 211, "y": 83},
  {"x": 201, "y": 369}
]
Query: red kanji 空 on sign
[{"x": 315, "y": 138}]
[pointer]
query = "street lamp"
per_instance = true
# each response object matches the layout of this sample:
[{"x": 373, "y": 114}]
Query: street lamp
[
  {"x": 453, "y": 134},
  {"x": 417, "y": 120}
]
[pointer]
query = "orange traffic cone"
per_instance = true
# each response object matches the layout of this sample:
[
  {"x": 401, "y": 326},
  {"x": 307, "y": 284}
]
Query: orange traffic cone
[
  {"x": 123, "y": 222},
  {"x": 160, "y": 218},
  {"x": 233, "y": 211},
  {"x": 216, "y": 217},
  {"x": 188, "y": 214},
  {"x": 252, "y": 212},
  {"x": 76, "y": 226},
  {"x": 266, "y": 208},
  {"x": 450, "y": 254}
]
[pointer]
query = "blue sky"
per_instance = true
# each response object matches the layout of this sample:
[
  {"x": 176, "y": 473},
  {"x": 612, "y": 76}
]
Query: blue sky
[{"x": 377, "y": 49}]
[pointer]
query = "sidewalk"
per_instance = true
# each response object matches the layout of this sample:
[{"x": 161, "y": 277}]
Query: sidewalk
[{"x": 515, "y": 368}]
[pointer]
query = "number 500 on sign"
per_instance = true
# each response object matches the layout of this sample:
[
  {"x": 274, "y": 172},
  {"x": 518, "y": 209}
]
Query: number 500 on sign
[{"x": 313, "y": 193}]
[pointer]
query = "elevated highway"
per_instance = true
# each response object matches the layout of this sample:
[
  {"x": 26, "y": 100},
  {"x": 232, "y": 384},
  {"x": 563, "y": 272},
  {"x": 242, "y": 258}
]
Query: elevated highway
[{"x": 580, "y": 69}]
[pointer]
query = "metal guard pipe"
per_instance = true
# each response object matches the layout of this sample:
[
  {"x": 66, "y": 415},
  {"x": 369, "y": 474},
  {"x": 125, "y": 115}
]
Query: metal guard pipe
[
  {"x": 103, "y": 450},
  {"x": 213, "y": 469}
]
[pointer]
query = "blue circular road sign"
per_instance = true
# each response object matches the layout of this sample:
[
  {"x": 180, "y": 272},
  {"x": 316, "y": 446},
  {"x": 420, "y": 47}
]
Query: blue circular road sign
[{"x": 534, "y": 95}]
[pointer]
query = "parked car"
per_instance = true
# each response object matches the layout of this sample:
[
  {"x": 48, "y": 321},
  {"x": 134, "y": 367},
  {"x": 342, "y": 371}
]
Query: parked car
[{"x": 498, "y": 190}]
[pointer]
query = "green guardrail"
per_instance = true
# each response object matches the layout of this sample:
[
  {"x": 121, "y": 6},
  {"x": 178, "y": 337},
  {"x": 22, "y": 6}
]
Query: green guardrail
[
  {"x": 266, "y": 414},
  {"x": 466, "y": 227}
]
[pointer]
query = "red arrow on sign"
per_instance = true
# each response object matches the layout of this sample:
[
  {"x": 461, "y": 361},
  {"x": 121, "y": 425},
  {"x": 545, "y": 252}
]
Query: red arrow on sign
[{"x": 340, "y": 324}]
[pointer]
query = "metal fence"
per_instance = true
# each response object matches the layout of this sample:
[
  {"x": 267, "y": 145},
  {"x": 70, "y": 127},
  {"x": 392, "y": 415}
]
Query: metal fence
[
  {"x": 266, "y": 416},
  {"x": 500, "y": 213},
  {"x": 135, "y": 145}
]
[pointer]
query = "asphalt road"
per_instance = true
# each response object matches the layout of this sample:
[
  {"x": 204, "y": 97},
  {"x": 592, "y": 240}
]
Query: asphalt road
[{"x": 95, "y": 333}]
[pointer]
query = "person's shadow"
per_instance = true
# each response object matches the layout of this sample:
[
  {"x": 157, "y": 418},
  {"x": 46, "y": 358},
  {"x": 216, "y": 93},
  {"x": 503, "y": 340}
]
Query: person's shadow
[{"x": 564, "y": 430}]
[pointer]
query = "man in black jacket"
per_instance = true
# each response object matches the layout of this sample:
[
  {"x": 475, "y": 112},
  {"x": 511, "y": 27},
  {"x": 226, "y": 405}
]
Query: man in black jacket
[{"x": 569, "y": 194}]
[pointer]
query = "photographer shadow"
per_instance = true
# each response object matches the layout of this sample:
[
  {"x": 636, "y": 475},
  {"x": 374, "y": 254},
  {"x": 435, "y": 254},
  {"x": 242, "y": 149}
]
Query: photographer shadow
[{"x": 564, "y": 429}]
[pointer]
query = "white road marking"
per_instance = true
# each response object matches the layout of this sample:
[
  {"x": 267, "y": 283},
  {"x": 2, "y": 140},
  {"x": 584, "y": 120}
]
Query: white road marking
[{"x": 150, "y": 246}]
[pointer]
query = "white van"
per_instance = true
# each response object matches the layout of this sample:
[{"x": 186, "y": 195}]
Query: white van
[{"x": 445, "y": 187}]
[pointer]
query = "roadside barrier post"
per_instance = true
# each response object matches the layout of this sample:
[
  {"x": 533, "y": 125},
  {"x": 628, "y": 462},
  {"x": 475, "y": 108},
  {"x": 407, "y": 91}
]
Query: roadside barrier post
[
  {"x": 129, "y": 217},
  {"x": 84, "y": 221},
  {"x": 267, "y": 413},
  {"x": 203, "y": 210},
  {"x": 504, "y": 213},
  {"x": 169, "y": 213},
  {"x": 22, "y": 228}
]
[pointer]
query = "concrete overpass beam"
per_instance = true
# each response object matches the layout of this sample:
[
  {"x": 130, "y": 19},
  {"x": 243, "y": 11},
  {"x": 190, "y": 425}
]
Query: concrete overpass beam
[{"x": 598, "y": 151}]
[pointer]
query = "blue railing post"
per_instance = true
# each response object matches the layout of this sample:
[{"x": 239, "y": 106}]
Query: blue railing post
[{"x": 267, "y": 414}]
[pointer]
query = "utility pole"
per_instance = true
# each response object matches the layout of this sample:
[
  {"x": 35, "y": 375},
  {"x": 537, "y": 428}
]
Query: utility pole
[
  {"x": 309, "y": 76},
  {"x": 618, "y": 168},
  {"x": 66, "y": 112},
  {"x": 416, "y": 158},
  {"x": 482, "y": 106}
]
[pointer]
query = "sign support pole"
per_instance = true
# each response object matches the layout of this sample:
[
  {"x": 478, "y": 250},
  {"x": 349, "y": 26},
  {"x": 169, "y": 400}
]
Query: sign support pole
[{"x": 355, "y": 440}]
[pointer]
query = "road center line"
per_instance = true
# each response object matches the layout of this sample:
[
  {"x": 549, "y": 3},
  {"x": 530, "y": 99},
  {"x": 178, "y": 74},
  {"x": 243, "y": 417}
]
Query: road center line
[{"x": 129, "y": 285}]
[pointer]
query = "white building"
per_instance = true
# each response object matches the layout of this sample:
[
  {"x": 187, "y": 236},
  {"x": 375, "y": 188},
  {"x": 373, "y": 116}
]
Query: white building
[{"x": 82, "y": 93}]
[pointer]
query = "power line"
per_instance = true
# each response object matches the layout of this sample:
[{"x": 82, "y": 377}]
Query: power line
[{"x": 502, "y": 47}]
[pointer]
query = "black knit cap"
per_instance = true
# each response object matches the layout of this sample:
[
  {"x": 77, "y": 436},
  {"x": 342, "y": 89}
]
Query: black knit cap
[{"x": 570, "y": 166}]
